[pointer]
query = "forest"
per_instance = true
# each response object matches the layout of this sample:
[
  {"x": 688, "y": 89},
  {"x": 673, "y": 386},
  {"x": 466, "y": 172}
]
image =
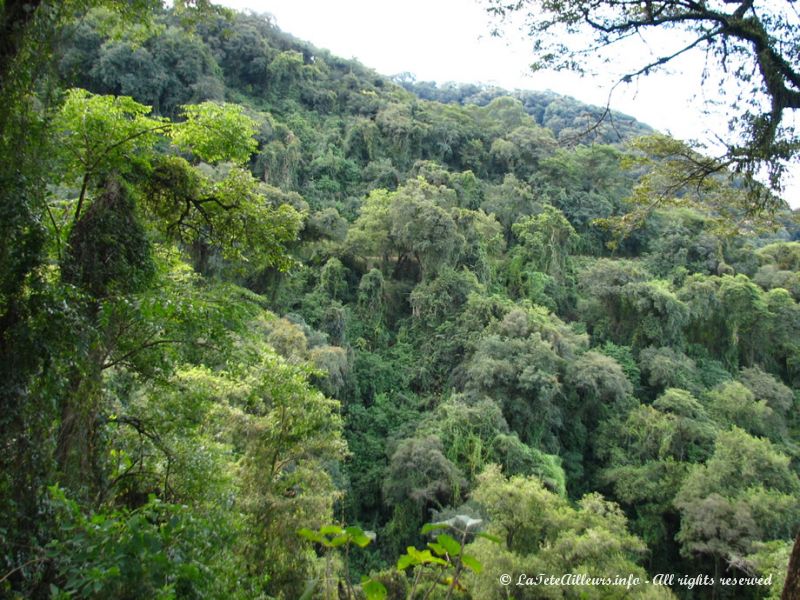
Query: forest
[{"x": 276, "y": 326}]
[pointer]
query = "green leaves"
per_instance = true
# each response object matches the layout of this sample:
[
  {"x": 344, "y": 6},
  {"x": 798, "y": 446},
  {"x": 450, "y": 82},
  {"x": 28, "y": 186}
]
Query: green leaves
[
  {"x": 448, "y": 545},
  {"x": 154, "y": 550},
  {"x": 98, "y": 133},
  {"x": 216, "y": 132},
  {"x": 414, "y": 557},
  {"x": 472, "y": 563},
  {"x": 248, "y": 222},
  {"x": 487, "y": 536},
  {"x": 207, "y": 415},
  {"x": 748, "y": 483},
  {"x": 445, "y": 558},
  {"x": 373, "y": 590},
  {"x": 334, "y": 536},
  {"x": 428, "y": 527},
  {"x": 225, "y": 208},
  {"x": 410, "y": 222},
  {"x": 313, "y": 536}
]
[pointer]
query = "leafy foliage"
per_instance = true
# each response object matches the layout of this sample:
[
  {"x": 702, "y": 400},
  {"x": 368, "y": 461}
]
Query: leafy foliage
[
  {"x": 752, "y": 43},
  {"x": 328, "y": 300}
]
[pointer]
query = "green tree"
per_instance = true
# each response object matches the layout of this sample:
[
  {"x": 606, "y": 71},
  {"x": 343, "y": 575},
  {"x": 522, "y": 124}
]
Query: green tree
[
  {"x": 647, "y": 455},
  {"x": 106, "y": 134},
  {"x": 420, "y": 473},
  {"x": 744, "y": 493},
  {"x": 216, "y": 132},
  {"x": 780, "y": 267},
  {"x": 545, "y": 242},
  {"x": 474, "y": 434},
  {"x": 518, "y": 362},
  {"x": 509, "y": 201},
  {"x": 409, "y": 225},
  {"x": 597, "y": 389},
  {"x": 729, "y": 315},
  {"x": 622, "y": 305},
  {"x": 542, "y": 533},
  {"x": 586, "y": 183},
  {"x": 732, "y": 403},
  {"x": 100, "y": 134},
  {"x": 419, "y": 478}
]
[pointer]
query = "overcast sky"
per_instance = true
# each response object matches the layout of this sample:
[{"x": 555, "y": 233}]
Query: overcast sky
[{"x": 449, "y": 40}]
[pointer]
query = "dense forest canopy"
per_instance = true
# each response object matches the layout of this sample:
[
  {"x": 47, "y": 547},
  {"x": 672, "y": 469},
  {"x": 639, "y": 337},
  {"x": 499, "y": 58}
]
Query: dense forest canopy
[{"x": 273, "y": 325}]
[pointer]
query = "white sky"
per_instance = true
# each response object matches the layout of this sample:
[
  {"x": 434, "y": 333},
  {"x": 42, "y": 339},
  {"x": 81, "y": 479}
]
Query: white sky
[{"x": 449, "y": 40}]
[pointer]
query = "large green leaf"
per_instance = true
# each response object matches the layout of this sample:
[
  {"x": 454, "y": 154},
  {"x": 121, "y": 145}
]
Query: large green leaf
[
  {"x": 428, "y": 527},
  {"x": 472, "y": 563},
  {"x": 452, "y": 547},
  {"x": 373, "y": 590}
]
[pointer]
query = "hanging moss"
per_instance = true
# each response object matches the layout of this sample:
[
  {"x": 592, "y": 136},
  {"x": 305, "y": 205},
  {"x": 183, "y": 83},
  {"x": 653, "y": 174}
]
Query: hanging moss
[{"x": 108, "y": 251}]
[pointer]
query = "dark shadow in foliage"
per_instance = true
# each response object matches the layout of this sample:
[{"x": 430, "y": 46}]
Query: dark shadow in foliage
[{"x": 108, "y": 251}]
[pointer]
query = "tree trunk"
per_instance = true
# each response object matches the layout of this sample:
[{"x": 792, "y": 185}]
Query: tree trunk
[
  {"x": 14, "y": 19},
  {"x": 791, "y": 588}
]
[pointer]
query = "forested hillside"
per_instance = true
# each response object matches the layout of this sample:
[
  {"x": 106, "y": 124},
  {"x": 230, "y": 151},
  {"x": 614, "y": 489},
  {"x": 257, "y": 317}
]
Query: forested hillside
[{"x": 265, "y": 314}]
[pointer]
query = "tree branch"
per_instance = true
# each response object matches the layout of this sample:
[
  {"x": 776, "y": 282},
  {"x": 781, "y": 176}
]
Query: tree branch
[{"x": 144, "y": 346}]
